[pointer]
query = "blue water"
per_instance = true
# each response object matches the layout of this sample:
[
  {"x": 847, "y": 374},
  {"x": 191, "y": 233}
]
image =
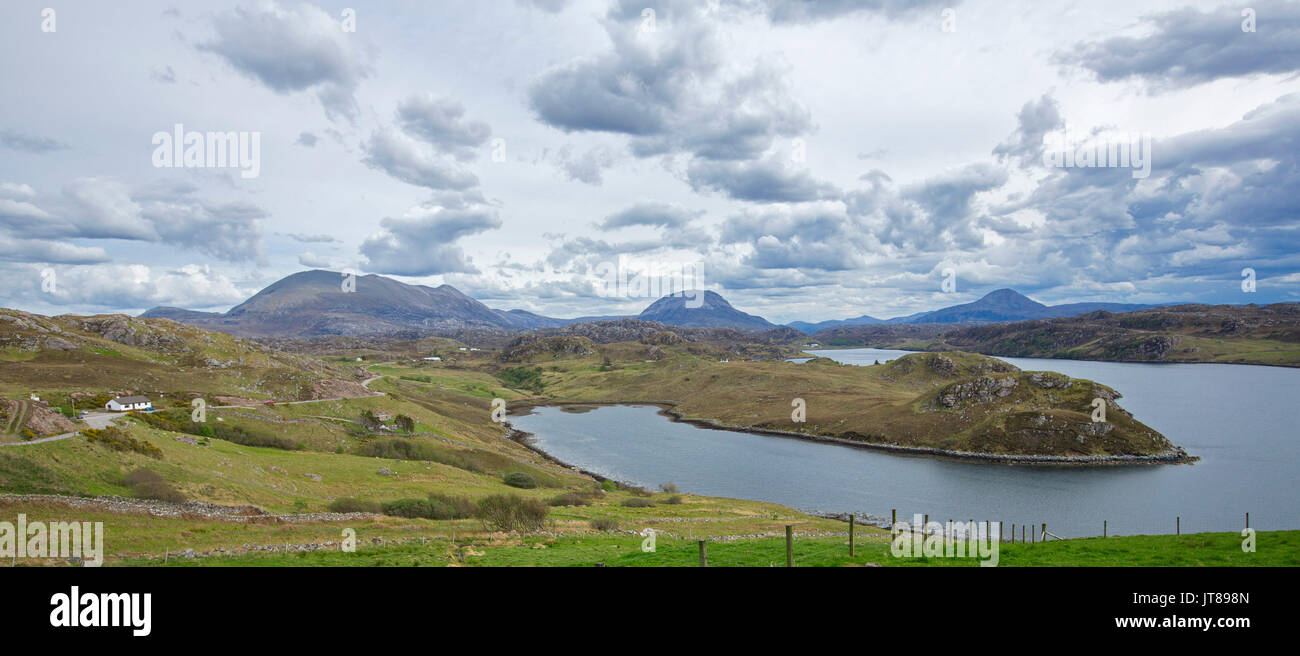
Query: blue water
[{"x": 1243, "y": 421}]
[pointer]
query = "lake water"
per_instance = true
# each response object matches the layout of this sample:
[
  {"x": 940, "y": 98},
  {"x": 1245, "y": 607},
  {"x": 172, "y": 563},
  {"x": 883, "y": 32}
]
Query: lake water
[{"x": 1243, "y": 421}]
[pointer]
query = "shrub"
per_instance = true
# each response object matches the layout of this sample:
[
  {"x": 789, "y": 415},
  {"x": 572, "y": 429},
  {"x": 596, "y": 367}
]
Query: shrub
[
  {"x": 117, "y": 440},
  {"x": 520, "y": 480},
  {"x": 604, "y": 524},
  {"x": 246, "y": 437},
  {"x": 669, "y": 487},
  {"x": 673, "y": 500},
  {"x": 462, "y": 507},
  {"x": 523, "y": 378},
  {"x": 148, "y": 484},
  {"x": 637, "y": 502},
  {"x": 608, "y": 485},
  {"x": 397, "y": 448},
  {"x": 569, "y": 499},
  {"x": 351, "y": 505},
  {"x": 412, "y": 508},
  {"x": 512, "y": 513},
  {"x": 418, "y": 379}
]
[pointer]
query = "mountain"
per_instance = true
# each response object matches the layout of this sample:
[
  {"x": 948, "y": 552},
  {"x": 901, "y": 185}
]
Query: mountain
[
  {"x": 810, "y": 328},
  {"x": 713, "y": 311},
  {"x": 315, "y": 303},
  {"x": 995, "y": 307}
]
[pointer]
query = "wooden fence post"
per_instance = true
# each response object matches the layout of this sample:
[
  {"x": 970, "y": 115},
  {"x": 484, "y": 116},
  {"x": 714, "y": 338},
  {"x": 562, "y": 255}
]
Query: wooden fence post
[
  {"x": 704, "y": 557},
  {"x": 1103, "y": 528},
  {"x": 1178, "y": 525},
  {"x": 851, "y": 520},
  {"x": 894, "y": 519},
  {"x": 789, "y": 545},
  {"x": 1044, "y": 538},
  {"x": 1247, "y": 520}
]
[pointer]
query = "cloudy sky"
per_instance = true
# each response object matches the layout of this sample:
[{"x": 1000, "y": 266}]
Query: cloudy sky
[{"x": 812, "y": 160}]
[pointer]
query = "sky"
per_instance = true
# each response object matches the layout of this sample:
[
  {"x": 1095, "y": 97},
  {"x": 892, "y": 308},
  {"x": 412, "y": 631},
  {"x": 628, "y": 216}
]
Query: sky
[{"x": 807, "y": 160}]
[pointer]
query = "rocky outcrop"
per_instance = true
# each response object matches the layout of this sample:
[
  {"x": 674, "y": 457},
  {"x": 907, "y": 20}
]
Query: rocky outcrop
[
  {"x": 336, "y": 389},
  {"x": 984, "y": 389},
  {"x": 526, "y": 347}
]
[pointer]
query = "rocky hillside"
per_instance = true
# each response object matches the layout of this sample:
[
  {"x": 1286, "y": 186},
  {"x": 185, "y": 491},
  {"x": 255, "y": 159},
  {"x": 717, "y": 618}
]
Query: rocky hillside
[
  {"x": 105, "y": 353},
  {"x": 1246, "y": 334}
]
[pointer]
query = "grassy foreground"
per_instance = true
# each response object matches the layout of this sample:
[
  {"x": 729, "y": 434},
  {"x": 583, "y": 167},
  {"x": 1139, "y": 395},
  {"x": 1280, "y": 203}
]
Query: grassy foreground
[{"x": 1277, "y": 548}]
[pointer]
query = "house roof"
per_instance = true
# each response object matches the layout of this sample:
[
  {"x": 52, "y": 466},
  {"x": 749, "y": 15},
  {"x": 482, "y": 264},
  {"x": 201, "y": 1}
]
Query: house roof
[{"x": 129, "y": 400}]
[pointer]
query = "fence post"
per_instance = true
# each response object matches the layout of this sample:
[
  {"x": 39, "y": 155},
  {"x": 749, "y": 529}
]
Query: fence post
[
  {"x": 893, "y": 519},
  {"x": 1103, "y": 528},
  {"x": 789, "y": 545},
  {"x": 851, "y": 520},
  {"x": 1178, "y": 525},
  {"x": 704, "y": 557},
  {"x": 1013, "y": 534},
  {"x": 1247, "y": 520},
  {"x": 1044, "y": 538}
]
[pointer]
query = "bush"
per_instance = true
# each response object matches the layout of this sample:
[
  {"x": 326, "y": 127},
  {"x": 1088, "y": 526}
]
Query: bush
[
  {"x": 523, "y": 378},
  {"x": 608, "y": 485},
  {"x": 520, "y": 480},
  {"x": 637, "y": 502},
  {"x": 117, "y": 440},
  {"x": 669, "y": 487},
  {"x": 512, "y": 513},
  {"x": 418, "y": 379},
  {"x": 397, "y": 448},
  {"x": 462, "y": 507},
  {"x": 148, "y": 484},
  {"x": 424, "y": 508},
  {"x": 604, "y": 524},
  {"x": 569, "y": 499},
  {"x": 351, "y": 505},
  {"x": 674, "y": 500}
]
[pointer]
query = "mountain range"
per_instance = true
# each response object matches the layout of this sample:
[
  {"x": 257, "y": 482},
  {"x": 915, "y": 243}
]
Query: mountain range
[
  {"x": 995, "y": 307},
  {"x": 318, "y": 303}
]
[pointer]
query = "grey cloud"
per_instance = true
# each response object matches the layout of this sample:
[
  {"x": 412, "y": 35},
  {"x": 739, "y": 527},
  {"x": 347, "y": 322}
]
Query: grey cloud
[
  {"x": 670, "y": 92},
  {"x": 1036, "y": 119},
  {"x": 291, "y": 50},
  {"x": 1187, "y": 47},
  {"x": 422, "y": 244},
  {"x": 769, "y": 180},
  {"x": 404, "y": 159},
  {"x": 50, "y": 252},
  {"x": 588, "y": 167},
  {"x": 441, "y": 122},
  {"x": 30, "y": 143},
  {"x": 307, "y": 139},
  {"x": 807, "y": 11},
  {"x": 311, "y": 238},
  {"x": 650, "y": 213}
]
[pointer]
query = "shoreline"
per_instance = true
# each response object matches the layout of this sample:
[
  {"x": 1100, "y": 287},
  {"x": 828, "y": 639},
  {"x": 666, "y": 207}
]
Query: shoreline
[
  {"x": 1043, "y": 357},
  {"x": 1176, "y": 456}
]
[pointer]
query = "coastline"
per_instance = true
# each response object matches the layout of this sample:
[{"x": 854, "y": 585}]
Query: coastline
[
  {"x": 1048, "y": 357},
  {"x": 1175, "y": 456}
]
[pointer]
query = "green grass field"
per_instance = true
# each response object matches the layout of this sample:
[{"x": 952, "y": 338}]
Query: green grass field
[{"x": 1276, "y": 548}]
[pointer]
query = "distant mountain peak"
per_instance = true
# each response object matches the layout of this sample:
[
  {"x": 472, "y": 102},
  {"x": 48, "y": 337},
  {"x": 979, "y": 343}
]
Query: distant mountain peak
[{"x": 701, "y": 308}]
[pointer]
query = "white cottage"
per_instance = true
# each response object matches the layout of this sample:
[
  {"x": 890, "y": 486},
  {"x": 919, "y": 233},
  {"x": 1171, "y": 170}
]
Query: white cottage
[{"x": 128, "y": 403}]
